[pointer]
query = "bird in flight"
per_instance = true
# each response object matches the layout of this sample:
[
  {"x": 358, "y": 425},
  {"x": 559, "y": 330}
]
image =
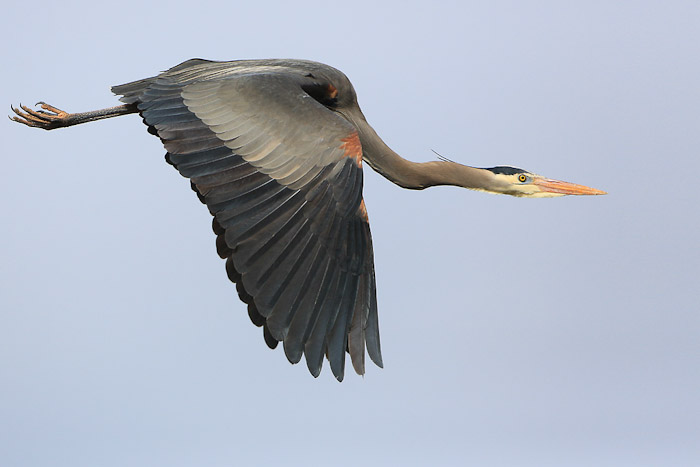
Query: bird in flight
[{"x": 275, "y": 150}]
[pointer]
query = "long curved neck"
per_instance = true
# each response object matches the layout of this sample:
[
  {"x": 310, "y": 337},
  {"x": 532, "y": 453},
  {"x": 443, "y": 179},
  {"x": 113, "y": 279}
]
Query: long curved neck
[{"x": 417, "y": 175}]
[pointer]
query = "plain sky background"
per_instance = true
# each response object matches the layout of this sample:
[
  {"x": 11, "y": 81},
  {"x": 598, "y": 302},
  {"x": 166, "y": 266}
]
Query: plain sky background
[{"x": 515, "y": 332}]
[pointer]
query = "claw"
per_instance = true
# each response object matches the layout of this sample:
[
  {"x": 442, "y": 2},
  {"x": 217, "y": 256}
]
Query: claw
[
  {"x": 48, "y": 118},
  {"x": 60, "y": 113}
]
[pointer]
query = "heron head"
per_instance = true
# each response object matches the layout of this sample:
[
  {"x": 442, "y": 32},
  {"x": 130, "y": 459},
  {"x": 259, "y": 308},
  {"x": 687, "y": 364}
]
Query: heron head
[{"x": 518, "y": 182}]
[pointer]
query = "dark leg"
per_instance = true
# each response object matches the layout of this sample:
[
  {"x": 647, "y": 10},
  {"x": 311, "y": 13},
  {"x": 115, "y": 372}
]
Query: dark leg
[{"x": 51, "y": 117}]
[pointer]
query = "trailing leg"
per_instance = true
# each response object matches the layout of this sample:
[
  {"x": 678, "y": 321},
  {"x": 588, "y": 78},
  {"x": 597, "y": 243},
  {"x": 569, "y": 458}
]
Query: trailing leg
[{"x": 51, "y": 117}]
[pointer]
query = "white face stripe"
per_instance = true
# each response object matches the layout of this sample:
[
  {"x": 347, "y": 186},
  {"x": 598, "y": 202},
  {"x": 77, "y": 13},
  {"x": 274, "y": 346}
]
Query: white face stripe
[{"x": 511, "y": 185}]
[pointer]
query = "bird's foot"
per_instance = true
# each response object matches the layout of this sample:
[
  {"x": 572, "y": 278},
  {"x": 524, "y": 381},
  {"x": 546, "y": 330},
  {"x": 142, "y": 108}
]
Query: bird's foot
[{"x": 48, "y": 118}]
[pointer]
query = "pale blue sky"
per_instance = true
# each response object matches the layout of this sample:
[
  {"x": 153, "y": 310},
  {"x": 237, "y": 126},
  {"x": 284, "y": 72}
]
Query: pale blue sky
[{"x": 515, "y": 332}]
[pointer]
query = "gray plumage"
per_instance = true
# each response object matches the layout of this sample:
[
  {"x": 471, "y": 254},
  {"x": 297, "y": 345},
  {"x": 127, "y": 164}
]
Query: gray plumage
[
  {"x": 275, "y": 148},
  {"x": 268, "y": 161}
]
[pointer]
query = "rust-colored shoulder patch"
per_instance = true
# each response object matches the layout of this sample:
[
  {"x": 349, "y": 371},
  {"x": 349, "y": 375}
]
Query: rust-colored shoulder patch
[
  {"x": 362, "y": 211},
  {"x": 353, "y": 148},
  {"x": 332, "y": 91}
]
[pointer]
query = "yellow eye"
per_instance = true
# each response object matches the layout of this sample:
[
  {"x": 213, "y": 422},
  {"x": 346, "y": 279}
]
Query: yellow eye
[{"x": 522, "y": 178}]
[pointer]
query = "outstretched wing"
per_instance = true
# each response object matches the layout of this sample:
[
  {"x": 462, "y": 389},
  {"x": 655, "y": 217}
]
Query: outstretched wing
[{"x": 281, "y": 174}]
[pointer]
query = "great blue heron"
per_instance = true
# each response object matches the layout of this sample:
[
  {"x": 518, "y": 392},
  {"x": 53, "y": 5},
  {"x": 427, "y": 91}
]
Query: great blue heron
[{"x": 275, "y": 148}]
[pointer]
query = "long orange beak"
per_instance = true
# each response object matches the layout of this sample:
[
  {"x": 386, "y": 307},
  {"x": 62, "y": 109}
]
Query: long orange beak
[{"x": 565, "y": 188}]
